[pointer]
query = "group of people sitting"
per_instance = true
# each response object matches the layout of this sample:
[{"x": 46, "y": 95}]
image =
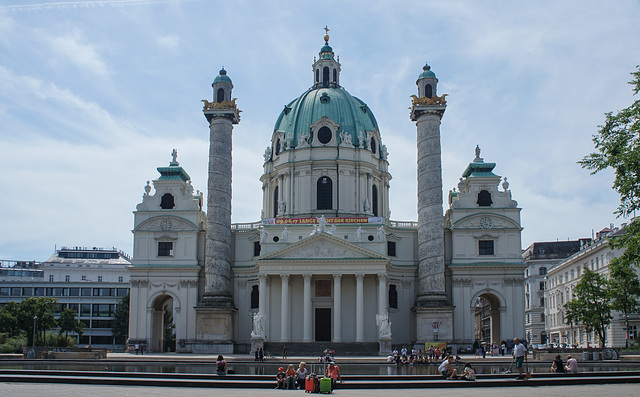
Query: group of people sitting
[
  {"x": 449, "y": 369},
  {"x": 405, "y": 356},
  {"x": 293, "y": 379},
  {"x": 558, "y": 365}
]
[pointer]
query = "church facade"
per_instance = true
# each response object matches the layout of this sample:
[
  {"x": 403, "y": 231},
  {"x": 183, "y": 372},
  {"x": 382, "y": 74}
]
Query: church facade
[{"x": 325, "y": 266}]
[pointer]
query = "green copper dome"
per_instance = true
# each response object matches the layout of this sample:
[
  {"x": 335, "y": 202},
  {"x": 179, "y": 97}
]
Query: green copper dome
[
  {"x": 337, "y": 104},
  {"x": 427, "y": 73},
  {"x": 222, "y": 77}
]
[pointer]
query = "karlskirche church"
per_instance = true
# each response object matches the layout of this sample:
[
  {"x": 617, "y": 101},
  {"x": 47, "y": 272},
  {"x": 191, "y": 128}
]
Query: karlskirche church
[{"x": 325, "y": 266}]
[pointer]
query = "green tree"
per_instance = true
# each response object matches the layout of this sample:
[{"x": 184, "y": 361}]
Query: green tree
[
  {"x": 120, "y": 327},
  {"x": 617, "y": 145},
  {"x": 591, "y": 304},
  {"x": 624, "y": 290},
  {"x": 9, "y": 319},
  {"x": 69, "y": 323},
  {"x": 41, "y": 307}
]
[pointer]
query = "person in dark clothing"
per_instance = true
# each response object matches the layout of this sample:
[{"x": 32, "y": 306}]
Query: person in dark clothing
[{"x": 558, "y": 365}]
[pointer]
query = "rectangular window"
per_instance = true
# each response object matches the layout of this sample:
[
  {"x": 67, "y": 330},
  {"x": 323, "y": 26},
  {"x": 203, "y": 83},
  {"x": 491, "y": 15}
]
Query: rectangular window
[
  {"x": 542, "y": 302},
  {"x": 541, "y": 285},
  {"x": 103, "y": 310},
  {"x": 165, "y": 248},
  {"x": 120, "y": 279},
  {"x": 16, "y": 291},
  {"x": 122, "y": 291},
  {"x": 27, "y": 291},
  {"x": 51, "y": 277},
  {"x": 101, "y": 323},
  {"x": 75, "y": 307},
  {"x": 485, "y": 247},
  {"x": 5, "y": 291},
  {"x": 84, "y": 278},
  {"x": 38, "y": 291},
  {"x": 256, "y": 248},
  {"x": 99, "y": 279},
  {"x": 391, "y": 248},
  {"x": 85, "y": 310},
  {"x": 67, "y": 278},
  {"x": 74, "y": 291}
]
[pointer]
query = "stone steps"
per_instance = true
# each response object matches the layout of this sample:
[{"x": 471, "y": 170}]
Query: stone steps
[{"x": 315, "y": 349}]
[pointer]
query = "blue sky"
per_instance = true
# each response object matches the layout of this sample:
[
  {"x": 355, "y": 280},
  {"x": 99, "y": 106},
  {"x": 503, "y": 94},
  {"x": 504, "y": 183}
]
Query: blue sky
[{"x": 94, "y": 95}]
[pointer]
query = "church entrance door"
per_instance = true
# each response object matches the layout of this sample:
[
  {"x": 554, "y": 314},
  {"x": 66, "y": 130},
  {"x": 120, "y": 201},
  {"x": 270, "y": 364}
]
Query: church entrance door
[{"x": 323, "y": 325}]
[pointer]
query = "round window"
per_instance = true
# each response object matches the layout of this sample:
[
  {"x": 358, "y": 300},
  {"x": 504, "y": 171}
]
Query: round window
[
  {"x": 324, "y": 135},
  {"x": 276, "y": 239},
  {"x": 370, "y": 238}
]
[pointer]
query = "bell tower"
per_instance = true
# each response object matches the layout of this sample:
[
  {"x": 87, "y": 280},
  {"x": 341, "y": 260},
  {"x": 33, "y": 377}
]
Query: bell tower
[
  {"x": 326, "y": 70},
  {"x": 432, "y": 304}
]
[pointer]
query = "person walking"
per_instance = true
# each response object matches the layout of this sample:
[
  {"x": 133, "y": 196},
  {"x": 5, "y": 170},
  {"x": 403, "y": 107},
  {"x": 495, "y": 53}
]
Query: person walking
[{"x": 519, "y": 353}]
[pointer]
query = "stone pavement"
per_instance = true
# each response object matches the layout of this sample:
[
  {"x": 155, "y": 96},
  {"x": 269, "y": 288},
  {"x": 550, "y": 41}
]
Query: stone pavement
[{"x": 39, "y": 389}]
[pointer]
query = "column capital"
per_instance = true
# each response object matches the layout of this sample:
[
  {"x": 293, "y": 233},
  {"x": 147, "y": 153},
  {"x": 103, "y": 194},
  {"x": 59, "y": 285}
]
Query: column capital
[
  {"x": 262, "y": 278},
  {"x": 285, "y": 278},
  {"x": 307, "y": 277},
  {"x": 337, "y": 276},
  {"x": 359, "y": 276},
  {"x": 382, "y": 277}
]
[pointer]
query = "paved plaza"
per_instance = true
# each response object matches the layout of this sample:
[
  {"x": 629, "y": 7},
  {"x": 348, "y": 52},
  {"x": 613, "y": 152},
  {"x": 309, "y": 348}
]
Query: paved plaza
[{"x": 41, "y": 389}]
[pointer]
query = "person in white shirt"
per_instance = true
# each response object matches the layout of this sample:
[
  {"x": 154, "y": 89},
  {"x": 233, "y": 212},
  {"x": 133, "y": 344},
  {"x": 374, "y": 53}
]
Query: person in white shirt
[
  {"x": 572, "y": 365},
  {"x": 446, "y": 368},
  {"x": 519, "y": 353}
]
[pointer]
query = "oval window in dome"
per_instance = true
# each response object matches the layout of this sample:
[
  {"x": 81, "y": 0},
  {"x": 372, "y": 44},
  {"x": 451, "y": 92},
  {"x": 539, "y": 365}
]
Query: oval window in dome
[
  {"x": 324, "y": 135},
  {"x": 373, "y": 145}
]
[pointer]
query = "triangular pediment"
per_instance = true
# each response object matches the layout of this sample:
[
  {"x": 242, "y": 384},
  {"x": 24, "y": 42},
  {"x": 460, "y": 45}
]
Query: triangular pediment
[{"x": 323, "y": 246}]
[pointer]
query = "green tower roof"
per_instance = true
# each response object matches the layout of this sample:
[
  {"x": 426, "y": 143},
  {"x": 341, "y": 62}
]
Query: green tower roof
[
  {"x": 173, "y": 172},
  {"x": 222, "y": 77}
]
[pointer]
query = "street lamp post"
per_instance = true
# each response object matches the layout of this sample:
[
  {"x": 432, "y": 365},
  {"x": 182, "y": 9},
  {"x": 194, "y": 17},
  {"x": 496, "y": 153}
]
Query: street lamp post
[{"x": 35, "y": 318}]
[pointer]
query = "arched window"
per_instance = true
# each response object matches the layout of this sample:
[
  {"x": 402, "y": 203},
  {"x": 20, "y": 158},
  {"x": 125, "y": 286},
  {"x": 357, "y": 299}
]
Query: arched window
[
  {"x": 324, "y": 135},
  {"x": 277, "y": 147},
  {"x": 167, "y": 202},
  {"x": 325, "y": 193},
  {"x": 335, "y": 76},
  {"x": 220, "y": 95},
  {"x": 317, "y": 75},
  {"x": 484, "y": 199},
  {"x": 373, "y": 145},
  {"x": 374, "y": 200},
  {"x": 428, "y": 92},
  {"x": 542, "y": 271},
  {"x": 255, "y": 297},
  {"x": 275, "y": 201},
  {"x": 325, "y": 76},
  {"x": 393, "y": 297}
]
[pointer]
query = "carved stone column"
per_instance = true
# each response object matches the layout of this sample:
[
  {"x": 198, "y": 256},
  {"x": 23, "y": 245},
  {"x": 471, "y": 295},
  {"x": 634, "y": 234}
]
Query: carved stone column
[
  {"x": 337, "y": 304},
  {"x": 284, "y": 311},
  {"x": 307, "y": 315},
  {"x": 431, "y": 284},
  {"x": 359, "y": 307}
]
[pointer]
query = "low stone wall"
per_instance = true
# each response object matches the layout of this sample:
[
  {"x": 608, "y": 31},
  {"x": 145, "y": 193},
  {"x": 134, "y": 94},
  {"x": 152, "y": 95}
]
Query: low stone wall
[
  {"x": 80, "y": 353},
  {"x": 591, "y": 354}
]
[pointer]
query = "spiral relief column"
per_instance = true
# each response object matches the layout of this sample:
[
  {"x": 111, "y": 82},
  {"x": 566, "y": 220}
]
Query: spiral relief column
[
  {"x": 432, "y": 304},
  {"x": 215, "y": 312}
]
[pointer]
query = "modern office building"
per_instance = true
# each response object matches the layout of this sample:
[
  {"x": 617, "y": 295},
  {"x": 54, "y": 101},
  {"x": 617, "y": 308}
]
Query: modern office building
[{"x": 90, "y": 281}]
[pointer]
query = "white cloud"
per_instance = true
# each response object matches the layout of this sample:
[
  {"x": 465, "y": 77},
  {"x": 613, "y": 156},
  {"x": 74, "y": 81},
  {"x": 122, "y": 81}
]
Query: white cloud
[
  {"x": 73, "y": 47},
  {"x": 169, "y": 42}
]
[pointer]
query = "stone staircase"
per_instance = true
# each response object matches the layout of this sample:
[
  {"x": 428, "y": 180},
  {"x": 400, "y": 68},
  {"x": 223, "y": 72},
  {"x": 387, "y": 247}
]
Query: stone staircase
[{"x": 315, "y": 349}]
